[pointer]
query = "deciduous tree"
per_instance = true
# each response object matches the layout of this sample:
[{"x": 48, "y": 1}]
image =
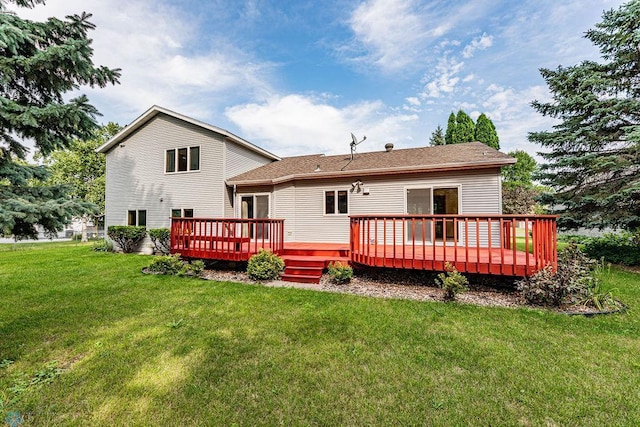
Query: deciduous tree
[
  {"x": 593, "y": 153},
  {"x": 521, "y": 173},
  {"x": 83, "y": 170}
]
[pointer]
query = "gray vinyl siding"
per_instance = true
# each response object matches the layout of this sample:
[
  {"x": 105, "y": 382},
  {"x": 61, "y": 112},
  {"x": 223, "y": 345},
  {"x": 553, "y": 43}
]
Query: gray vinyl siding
[
  {"x": 479, "y": 194},
  {"x": 284, "y": 207},
  {"x": 238, "y": 160},
  {"x": 136, "y": 177},
  {"x": 241, "y": 160}
]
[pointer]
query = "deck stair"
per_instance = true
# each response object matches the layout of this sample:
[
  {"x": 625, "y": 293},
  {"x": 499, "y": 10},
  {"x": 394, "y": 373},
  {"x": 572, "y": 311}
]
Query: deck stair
[{"x": 304, "y": 263}]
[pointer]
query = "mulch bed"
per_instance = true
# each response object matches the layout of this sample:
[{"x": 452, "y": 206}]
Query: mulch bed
[{"x": 413, "y": 285}]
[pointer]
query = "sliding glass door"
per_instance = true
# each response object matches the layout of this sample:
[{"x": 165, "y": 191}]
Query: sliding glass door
[
  {"x": 425, "y": 201},
  {"x": 252, "y": 207}
]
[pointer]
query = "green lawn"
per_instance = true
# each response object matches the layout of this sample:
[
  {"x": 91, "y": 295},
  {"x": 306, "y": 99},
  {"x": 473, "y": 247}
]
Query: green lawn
[{"x": 96, "y": 342}]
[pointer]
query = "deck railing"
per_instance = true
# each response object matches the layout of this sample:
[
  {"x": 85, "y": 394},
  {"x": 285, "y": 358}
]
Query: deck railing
[
  {"x": 229, "y": 239},
  {"x": 515, "y": 245}
]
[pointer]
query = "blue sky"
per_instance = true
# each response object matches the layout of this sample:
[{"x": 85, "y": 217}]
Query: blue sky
[{"x": 296, "y": 77}]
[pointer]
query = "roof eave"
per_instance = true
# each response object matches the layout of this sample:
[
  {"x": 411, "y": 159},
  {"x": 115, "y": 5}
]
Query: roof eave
[
  {"x": 377, "y": 172},
  {"x": 156, "y": 109}
]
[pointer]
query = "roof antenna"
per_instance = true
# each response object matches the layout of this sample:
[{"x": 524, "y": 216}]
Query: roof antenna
[{"x": 354, "y": 143}]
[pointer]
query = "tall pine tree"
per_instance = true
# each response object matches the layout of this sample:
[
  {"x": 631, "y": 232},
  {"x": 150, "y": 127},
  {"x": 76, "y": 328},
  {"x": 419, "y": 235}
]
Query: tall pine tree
[
  {"x": 485, "y": 132},
  {"x": 437, "y": 137},
  {"x": 593, "y": 154},
  {"x": 450, "y": 134},
  {"x": 40, "y": 62},
  {"x": 464, "y": 128}
]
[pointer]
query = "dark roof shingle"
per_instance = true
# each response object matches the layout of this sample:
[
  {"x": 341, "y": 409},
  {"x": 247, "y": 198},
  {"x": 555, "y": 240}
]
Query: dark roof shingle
[{"x": 471, "y": 155}]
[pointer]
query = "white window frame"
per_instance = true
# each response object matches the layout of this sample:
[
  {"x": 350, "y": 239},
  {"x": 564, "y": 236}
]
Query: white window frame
[
  {"x": 175, "y": 158},
  {"x": 182, "y": 212},
  {"x": 137, "y": 211},
  {"x": 335, "y": 193}
]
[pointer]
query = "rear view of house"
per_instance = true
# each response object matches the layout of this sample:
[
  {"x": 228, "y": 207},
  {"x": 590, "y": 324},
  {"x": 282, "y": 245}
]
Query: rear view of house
[{"x": 225, "y": 198}]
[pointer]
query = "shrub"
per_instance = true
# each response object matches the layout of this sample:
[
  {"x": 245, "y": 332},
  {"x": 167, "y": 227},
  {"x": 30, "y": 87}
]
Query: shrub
[
  {"x": 166, "y": 264},
  {"x": 103, "y": 245},
  {"x": 340, "y": 272},
  {"x": 172, "y": 264},
  {"x": 452, "y": 282},
  {"x": 127, "y": 237},
  {"x": 573, "y": 238},
  {"x": 621, "y": 248},
  {"x": 265, "y": 265},
  {"x": 161, "y": 239},
  {"x": 570, "y": 284}
]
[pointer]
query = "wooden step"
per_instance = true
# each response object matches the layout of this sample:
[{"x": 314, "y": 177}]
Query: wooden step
[
  {"x": 303, "y": 270},
  {"x": 304, "y": 261},
  {"x": 314, "y": 260},
  {"x": 300, "y": 278},
  {"x": 319, "y": 252}
]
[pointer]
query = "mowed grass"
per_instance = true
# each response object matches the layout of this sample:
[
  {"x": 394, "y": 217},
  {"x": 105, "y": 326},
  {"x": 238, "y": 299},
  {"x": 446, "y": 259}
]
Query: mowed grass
[{"x": 133, "y": 349}]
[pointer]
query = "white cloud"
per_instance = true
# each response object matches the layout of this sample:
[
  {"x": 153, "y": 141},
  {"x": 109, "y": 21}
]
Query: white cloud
[
  {"x": 479, "y": 43},
  {"x": 444, "y": 79},
  {"x": 297, "y": 124},
  {"x": 164, "y": 60},
  {"x": 511, "y": 112},
  {"x": 393, "y": 32}
]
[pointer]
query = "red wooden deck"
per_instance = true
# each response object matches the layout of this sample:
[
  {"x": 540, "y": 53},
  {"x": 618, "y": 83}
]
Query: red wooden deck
[
  {"x": 484, "y": 244},
  {"x": 473, "y": 244}
]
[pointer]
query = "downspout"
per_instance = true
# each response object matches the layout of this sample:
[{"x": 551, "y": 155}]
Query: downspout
[{"x": 235, "y": 191}]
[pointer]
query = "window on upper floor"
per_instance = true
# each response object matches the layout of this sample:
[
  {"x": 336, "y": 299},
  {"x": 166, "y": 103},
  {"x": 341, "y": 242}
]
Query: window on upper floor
[
  {"x": 138, "y": 218},
  {"x": 336, "y": 202},
  {"x": 182, "y": 159}
]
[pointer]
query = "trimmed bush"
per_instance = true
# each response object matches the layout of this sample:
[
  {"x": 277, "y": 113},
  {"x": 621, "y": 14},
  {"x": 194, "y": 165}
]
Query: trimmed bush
[
  {"x": 621, "y": 248},
  {"x": 452, "y": 282},
  {"x": 340, "y": 272},
  {"x": 172, "y": 264},
  {"x": 265, "y": 265},
  {"x": 127, "y": 237},
  {"x": 161, "y": 239}
]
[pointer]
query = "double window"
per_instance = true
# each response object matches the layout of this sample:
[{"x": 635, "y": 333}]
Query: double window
[
  {"x": 138, "y": 218},
  {"x": 182, "y": 213},
  {"x": 336, "y": 202},
  {"x": 182, "y": 159}
]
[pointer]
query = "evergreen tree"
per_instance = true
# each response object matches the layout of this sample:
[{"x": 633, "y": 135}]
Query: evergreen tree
[
  {"x": 485, "y": 132},
  {"x": 464, "y": 128},
  {"x": 437, "y": 137},
  {"x": 593, "y": 157},
  {"x": 449, "y": 135},
  {"x": 40, "y": 62}
]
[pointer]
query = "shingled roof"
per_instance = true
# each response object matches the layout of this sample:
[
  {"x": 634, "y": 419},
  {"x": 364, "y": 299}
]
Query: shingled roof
[{"x": 471, "y": 155}]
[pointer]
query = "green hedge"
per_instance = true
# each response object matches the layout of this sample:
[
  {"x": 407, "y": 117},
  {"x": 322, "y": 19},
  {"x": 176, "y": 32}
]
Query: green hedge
[{"x": 621, "y": 248}]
